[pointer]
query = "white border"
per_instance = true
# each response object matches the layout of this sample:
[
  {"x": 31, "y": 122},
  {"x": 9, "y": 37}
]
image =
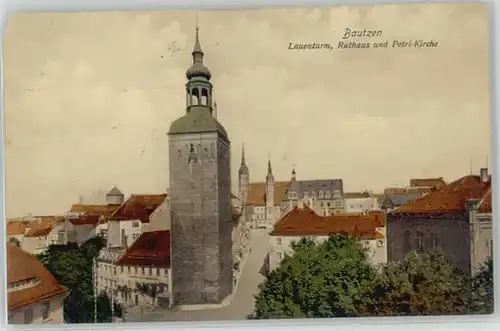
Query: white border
[{"x": 483, "y": 323}]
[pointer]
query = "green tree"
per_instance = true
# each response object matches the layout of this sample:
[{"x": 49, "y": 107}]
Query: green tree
[
  {"x": 72, "y": 266},
  {"x": 482, "y": 301},
  {"x": 424, "y": 284},
  {"x": 330, "y": 279}
]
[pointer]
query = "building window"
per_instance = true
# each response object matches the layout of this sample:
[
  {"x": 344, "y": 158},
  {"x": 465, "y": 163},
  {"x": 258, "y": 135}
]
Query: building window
[
  {"x": 279, "y": 241},
  {"x": 10, "y": 319},
  {"x": 407, "y": 242},
  {"x": 313, "y": 194},
  {"x": 434, "y": 241},
  {"x": 121, "y": 269},
  {"x": 321, "y": 204},
  {"x": 321, "y": 194},
  {"x": 490, "y": 246},
  {"x": 380, "y": 243},
  {"x": 327, "y": 195},
  {"x": 419, "y": 242},
  {"x": 135, "y": 224},
  {"x": 45, "y": 310},
  {"x": 28, "y": 316},
  {"x": 281, "y": 255}
]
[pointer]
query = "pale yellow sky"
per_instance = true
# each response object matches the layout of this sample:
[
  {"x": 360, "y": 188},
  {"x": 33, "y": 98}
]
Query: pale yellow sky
[{"x": 89, "y": 97}]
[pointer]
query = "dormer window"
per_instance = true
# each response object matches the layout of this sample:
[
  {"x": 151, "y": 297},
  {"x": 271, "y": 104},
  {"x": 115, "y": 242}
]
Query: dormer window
[
  {"x": 321, "y": 194},
  {"x": 327, "y": 195},
  {"x": 313, "y": 194}
]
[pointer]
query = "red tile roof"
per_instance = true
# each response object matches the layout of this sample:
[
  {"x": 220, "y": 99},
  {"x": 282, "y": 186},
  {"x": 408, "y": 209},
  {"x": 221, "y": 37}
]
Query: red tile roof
[
  {"x": 305, "y": 222},
  {"x": 102, "y": 210},
  {"x": 24, "y": 267},
  {"x": 86, "y": 220},
  {"x": 15, "y": 228},
  {"x": 138, "y": 207},
  {"x": 43, "y": 227},
  {"x": 451, "y": 198},
  {"x": 257, "y": 193},
  {"x": 150, "y": 249}
]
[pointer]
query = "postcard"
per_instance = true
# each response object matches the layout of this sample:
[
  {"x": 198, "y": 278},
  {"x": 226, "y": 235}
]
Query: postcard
[{"x": 255, "y": 164}]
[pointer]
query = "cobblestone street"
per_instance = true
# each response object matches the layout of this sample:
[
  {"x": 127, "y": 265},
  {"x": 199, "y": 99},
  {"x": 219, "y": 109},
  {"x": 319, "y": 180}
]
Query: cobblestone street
[{"x": 243, "y": 300}]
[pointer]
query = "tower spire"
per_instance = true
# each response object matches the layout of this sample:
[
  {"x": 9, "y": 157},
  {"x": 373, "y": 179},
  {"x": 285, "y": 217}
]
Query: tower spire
[
  {"x": 243, "y": 153},
  {"x": 269, "y": 167},
  {"x": 197, "y": 45}
]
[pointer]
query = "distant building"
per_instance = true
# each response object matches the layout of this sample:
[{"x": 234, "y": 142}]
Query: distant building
[
  {"x": 33, "y": 295},
  {"x": 455, "y": 219},
  {"x": 396, "y": 199},
  {"x": 324, "y": 196},
  {"x": 303, "y": 222},
  {"x": 359, "y": 202},
  {"x": 431, "y": 183},
  {"x": 45, "y": 231}
]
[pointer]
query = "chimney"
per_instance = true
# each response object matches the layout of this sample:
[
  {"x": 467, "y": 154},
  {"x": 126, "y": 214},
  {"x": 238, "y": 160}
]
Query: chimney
[
  {"x": 472, "y": 204},
  {"x": 484, "y": 175}
]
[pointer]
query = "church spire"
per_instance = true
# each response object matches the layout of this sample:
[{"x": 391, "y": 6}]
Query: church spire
[
  {"x": 243, "y": 167},
  {"x": 269, "y": 176}
]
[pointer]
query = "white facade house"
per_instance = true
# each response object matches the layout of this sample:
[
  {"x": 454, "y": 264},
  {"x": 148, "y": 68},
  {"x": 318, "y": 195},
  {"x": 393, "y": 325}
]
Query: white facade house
[
  {"x": 33, "y": 295},
  {"x": 361, "y": 202},
  {"x": 43, "y": 233},
  {"x": 368, "y": 228},
  {"x": 139, "y": 275}
]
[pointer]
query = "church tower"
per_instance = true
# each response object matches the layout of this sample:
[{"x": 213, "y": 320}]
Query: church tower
[
  {"x": 244, "y": 179},
  {"x": 200, "y": 206},
  {"x": 269, "y": 193}
]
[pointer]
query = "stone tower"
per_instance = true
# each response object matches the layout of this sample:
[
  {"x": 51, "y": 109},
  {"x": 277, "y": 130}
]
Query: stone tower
[
  {"x": 244, "y": 179},
  {"x": 199, "y": 163},
  {"x": 269, "y": 192}
]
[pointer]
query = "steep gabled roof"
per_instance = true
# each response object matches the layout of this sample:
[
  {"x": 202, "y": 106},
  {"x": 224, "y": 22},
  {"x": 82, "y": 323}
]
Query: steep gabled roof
[
  {"x": 451, "y": 198},
  {"x": 305, "y": 222},
  {"x": 150, "y": 249},
  {"x": 92, "y": 220},
  {"x": 24, "y": 270},
  {"x": 257, "y": 193},
  {"x": 138, "y": 207}
]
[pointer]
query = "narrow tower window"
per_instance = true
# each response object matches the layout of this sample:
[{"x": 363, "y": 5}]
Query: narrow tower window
[
  {"x": 195, "y": 97},
  {"x": 204, "y": 97}
]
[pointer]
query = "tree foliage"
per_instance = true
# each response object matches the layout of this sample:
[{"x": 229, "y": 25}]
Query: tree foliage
[
  {"x": 72, "y": 266},
  {"x": 319, "y": 280},
  {"x": 335, "y": 279},
  {"x": 483, "y": 290}
]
